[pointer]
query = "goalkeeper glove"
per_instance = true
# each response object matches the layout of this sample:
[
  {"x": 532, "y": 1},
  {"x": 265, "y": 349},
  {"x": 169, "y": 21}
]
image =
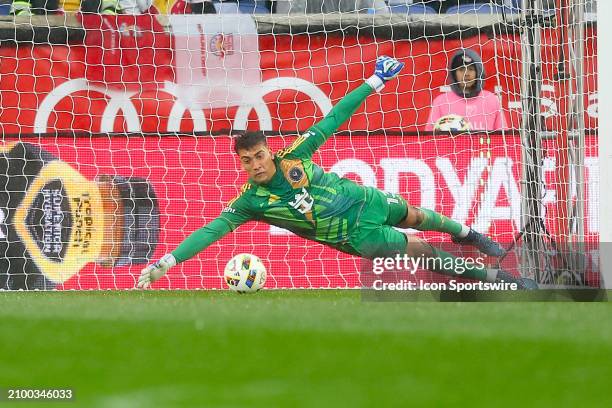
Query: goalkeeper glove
[
  {"x": 386, "y": 69},
  {"x": 155, "y": 271}
]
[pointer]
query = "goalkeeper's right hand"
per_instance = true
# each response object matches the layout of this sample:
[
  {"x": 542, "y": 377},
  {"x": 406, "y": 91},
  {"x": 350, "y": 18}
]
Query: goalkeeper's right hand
[{"x": 155, "y": 271}]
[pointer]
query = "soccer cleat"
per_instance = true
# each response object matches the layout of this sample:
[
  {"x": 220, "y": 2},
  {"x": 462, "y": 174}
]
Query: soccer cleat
[
  {"x": 521, "y": 283},
  {"x": 528, "y": 284},
  {"x": 482, "y": 242}
]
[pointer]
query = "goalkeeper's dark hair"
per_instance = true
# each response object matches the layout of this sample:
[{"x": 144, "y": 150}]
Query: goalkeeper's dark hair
[{"x": 246, "y": 140}]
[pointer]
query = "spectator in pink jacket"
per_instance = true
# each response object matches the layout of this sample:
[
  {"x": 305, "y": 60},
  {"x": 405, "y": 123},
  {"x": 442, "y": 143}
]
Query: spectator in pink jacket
[{"x": 480, "y": 109}]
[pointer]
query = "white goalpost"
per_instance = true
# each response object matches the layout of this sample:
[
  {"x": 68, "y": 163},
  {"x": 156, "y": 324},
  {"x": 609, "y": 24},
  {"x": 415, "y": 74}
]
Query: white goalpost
[{"x": 604, "y": 34}]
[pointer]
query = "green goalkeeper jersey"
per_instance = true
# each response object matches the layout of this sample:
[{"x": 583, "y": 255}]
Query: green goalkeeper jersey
[{"x": 300, "y": 197}]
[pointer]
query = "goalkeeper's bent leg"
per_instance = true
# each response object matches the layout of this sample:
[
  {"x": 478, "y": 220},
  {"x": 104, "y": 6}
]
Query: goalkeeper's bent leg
[
  {"x": 424, "y": 219},
  {"x": 446, "y": 264}
]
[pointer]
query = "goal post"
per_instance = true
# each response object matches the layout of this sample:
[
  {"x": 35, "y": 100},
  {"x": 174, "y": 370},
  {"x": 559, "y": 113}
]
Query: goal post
[
  {"x": 604, "y": 33},
  {"x": 556, "y": 247}
]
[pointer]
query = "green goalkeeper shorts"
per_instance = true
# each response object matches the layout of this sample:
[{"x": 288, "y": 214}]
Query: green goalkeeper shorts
[{"x": 374, "y": 235}]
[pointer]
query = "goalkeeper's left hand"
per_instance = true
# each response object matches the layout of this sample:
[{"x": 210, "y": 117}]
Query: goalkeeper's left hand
[
  {"x": 155, "y": 271},
  {"x": 386, "y": 69}
]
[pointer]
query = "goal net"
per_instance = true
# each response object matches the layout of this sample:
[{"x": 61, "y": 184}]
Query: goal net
[{"x": 117, "y": 134}]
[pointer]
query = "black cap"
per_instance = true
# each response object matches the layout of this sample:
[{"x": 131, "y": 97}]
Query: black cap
[
  {"x": 141, "y": 220},
  {"x": 462, "y": 60}
]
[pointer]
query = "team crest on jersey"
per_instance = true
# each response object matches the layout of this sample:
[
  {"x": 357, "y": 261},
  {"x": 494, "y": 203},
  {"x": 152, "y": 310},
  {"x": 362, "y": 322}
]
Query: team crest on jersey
[{"x": 295, "y": 174}]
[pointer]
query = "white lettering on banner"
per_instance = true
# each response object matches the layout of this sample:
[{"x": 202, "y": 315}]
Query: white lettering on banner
[
  {"x": 120, "y": 101},
  {"x": 358, "y": 167},
  {"x": 463, "y": 194},
  {"x": 549, "y": 194},
  {"x": 500, "y": 177},
  {"x": 394, "y": 167}
]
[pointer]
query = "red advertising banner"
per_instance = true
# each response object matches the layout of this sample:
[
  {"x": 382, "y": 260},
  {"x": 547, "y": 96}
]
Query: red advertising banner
[
  {"x": 123, "y": 79},
  {"x": 88, "y": 213}
]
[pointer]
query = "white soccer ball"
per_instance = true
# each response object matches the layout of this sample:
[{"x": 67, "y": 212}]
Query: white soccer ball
[
  {"x": 245, "y": 273},
  {"x": 452, "y": 123}
]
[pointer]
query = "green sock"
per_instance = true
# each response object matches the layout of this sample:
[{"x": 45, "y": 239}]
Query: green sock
[
  {"x": 432, "y": 221},
  {"x": 449, "y": 265}
]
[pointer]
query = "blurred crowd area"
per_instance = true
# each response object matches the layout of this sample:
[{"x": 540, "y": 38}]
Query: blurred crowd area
[{"x": 110, "y": 7}]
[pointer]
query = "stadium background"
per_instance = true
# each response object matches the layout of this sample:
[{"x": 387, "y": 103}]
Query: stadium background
[{"x": 119, "y": 86}]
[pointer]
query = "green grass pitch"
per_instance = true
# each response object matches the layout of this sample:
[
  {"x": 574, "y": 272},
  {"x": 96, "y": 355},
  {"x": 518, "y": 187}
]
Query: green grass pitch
[{"x": 303, "y": 349}]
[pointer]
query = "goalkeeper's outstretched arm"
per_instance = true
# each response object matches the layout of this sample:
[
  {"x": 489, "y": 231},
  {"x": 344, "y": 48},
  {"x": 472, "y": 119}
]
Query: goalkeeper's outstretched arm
[
  {"x": 235, "y": 214},
  {"x": 191, "y": 246},
  {"x": 305, "y": 145}
]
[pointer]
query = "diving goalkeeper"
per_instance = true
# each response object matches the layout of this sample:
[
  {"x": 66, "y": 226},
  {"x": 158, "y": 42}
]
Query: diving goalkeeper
[{"x": 288, "y": 190}]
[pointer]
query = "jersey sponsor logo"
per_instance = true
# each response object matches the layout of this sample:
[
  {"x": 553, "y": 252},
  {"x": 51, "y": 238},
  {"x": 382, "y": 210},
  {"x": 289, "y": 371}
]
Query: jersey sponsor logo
[
  {"x": 228, "y": 210},
  {"x": 295, "y": 174},
  {"x": 302, "y": 202}
]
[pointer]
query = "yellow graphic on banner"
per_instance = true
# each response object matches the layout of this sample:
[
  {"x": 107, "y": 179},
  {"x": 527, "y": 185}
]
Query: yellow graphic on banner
[{"x": 87, "y": 223}]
